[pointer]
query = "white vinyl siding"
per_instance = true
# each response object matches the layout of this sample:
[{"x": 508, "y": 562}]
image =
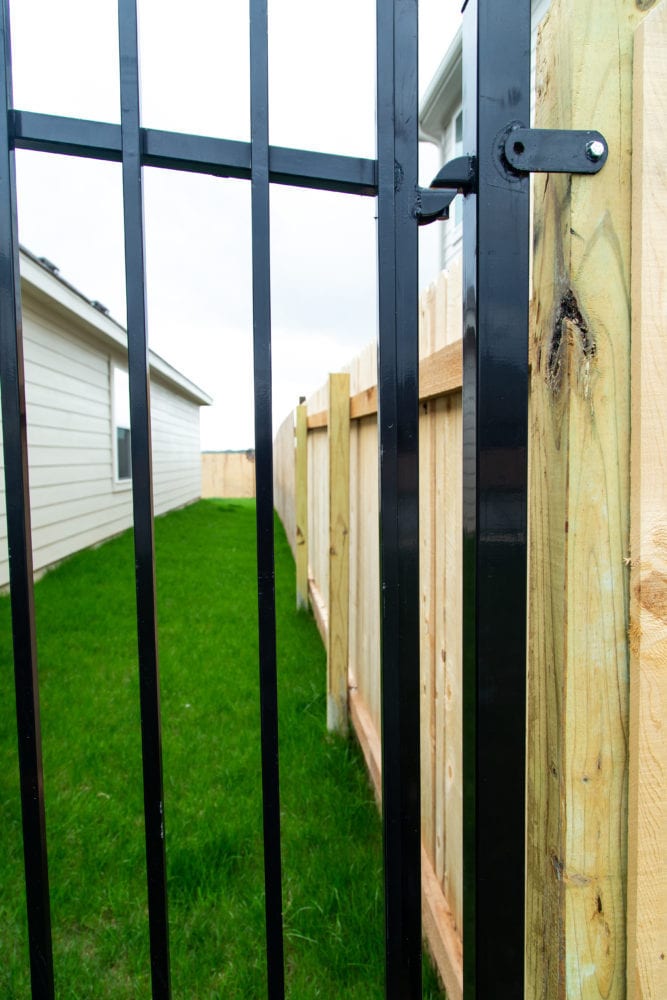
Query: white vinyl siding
[
  {"x": 176, "y": 449},
  {"x": 451, "y": 232},
  {"x": 75, "y": 500}
]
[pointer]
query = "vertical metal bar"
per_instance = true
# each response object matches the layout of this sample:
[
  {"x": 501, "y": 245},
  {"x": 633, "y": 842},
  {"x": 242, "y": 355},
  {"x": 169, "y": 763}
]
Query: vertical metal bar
[
  {"x": 398, "y": 382},
  {"x": 142, "y": 500},
  {"x": 261, "y": 278},
  {"x": 14, "y": 433},
  {"x": 496, "y": 60}
]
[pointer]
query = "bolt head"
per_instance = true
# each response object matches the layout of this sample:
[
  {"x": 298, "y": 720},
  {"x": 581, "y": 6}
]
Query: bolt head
[{"x": 595, "y": 150}]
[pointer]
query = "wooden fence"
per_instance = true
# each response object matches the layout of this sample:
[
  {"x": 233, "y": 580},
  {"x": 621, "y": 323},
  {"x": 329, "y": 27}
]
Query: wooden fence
[
  {"x": 596, "y": 824},
  {"x": 228, "y": 474},
  {"x": 327, "y": 497}
]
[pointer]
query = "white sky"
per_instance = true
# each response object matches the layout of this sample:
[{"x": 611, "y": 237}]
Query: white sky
[{"x": 195, "y": 78}]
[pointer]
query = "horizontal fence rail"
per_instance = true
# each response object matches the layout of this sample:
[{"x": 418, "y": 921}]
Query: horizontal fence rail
[
  {"x": 440, "y": 373},
  {"x": 193, "y": 153}
]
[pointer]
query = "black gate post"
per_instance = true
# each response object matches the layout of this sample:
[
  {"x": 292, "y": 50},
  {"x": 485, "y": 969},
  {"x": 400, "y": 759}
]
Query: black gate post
[
  {"x": 266, "y": 596},
  {"x": 15, "y": 443},
  {"x": 496, "y": 92},
  {"x": 398, "y": 423},
  {"x": 142, "y": 500}
]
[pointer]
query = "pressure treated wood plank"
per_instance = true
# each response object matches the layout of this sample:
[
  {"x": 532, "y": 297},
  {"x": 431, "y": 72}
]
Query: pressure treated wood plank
[
  {"x": 364, "y": 404},
  {"x": 444, "y": 942},
  {"x": 452, "y": 647},
  {"x": 443, "y": 939},
  {"x": 370, "y": 568},
  {"x": 427, "y": 587},
  {"x": 319, "y": 610},
  {"x": 441, "y": 372},
  {"x": 301, "y": 459},
  {"x": 318, "y": 510},
  {"x": 579, "y": 517},
  {"x": 440, "y": 513},
  {"x": 452, "y": 695},
  {"x": 368, "y": 738},
  {"x": 318, "y": 420},
  {"x": 647, "y": 849},
  {"x": 339, "y": 551}
]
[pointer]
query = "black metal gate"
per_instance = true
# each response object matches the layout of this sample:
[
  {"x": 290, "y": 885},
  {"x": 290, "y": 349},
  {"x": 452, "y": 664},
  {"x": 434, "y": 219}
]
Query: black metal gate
[{"x": 494, "y": 179}]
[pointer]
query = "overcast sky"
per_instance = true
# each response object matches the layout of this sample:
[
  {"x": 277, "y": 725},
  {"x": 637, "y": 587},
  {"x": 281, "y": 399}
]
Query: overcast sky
[{"x": 195, "y": 78}]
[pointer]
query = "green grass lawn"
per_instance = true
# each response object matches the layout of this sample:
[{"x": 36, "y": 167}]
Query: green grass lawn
[{"x": 332, "y": 878}]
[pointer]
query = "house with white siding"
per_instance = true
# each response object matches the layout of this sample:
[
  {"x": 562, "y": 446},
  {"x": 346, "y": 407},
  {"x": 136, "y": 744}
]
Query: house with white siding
[
  {"x": 441, "y": 123},
  {"x": 78, "y": 422}
]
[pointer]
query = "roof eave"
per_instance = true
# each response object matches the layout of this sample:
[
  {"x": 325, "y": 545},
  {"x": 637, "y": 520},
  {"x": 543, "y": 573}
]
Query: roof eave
[
  {"x": 72, "y": 305},
  {"x": 443, "y": 93}
]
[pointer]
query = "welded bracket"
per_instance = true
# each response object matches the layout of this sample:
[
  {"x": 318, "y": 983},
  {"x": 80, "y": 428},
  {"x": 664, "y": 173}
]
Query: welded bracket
[
  {"x": 459, "y": 176},
  {"x": 555, "y": 151},
  {"x": 522, "y": 151},
  {"x": 432, "y": 205}
]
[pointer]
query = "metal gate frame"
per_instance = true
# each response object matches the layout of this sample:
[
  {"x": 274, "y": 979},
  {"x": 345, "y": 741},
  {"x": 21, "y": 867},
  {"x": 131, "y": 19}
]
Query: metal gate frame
[{"x": 495, "y": 182}]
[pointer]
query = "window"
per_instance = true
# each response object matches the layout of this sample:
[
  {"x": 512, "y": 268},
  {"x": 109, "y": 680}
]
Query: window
[
  {"x": 121, "y": 423},
  {"x": 458, "y": 151},
  {"x": 452, "y": 147}
]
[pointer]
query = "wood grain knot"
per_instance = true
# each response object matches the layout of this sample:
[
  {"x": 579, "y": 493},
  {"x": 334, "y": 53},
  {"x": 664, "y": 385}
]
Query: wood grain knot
[
  {"x": 568, "y": 319},
  {"x": 651, "y": 594}
]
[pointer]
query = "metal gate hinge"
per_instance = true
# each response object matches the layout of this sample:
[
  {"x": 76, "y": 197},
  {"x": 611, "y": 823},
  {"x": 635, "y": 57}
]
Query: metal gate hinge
[
  {"x": 555, "y": 151},
  {"x": 457, "y": 176}
]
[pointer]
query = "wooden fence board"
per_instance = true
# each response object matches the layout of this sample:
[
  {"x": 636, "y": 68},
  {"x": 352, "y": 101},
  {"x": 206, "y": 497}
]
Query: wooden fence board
[
  {"x": 427, "y": 586},
  {"x": 647, "y": 849},
  {"x": 339, "y": 551},
  {"x": 440, "y": 581},
  {"x": 301, "y": 506},
  {"x": 451, "y": 651},
  {"x": 228, "y": 474},
  {"x": 367, "y": 654},
  {"x": 449, "y": 866},
  {"x": 579, "y": 516},
  {"x": 439, "y": 516}
]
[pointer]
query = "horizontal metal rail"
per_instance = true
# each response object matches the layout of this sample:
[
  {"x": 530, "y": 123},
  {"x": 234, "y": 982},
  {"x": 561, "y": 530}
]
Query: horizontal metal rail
[{"x": 197, "y": 154}]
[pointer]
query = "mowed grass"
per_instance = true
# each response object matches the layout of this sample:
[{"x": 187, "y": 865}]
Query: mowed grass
[{"x": 332, "y": 880}]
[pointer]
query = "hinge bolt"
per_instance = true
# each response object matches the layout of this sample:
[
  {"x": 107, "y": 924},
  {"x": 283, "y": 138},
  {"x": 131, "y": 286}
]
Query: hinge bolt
[{"x": 595, "y": 150}]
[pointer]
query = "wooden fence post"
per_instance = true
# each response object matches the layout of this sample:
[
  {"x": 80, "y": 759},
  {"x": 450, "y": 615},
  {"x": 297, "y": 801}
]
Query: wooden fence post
[
  {"x": 339, "y": 552},
  {"x": 301, "y": 479},
  {"x": 647, "y": 848},
  {"x": 579, "y": 517}
]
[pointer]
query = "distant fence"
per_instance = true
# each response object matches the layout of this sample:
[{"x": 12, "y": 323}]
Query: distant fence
[
  {"x": 228, "y": 474},
  {"x": 333, "y": 531}
]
